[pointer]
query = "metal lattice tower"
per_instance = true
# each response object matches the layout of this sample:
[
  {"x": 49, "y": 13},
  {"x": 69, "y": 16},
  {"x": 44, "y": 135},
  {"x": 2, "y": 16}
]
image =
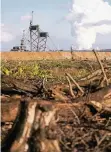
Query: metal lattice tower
[
  {"x": 38, "y": 39},
  {"x": 22, "y": 44},
  {"x": 42, "y": 40}
]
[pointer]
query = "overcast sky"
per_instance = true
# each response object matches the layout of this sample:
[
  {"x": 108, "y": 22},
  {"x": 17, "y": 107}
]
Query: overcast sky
[{"x": 49, "y": 14}]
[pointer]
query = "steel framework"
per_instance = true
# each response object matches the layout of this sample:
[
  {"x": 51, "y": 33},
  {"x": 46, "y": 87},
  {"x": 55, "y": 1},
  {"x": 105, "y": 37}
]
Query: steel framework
[{"x": 38, "y": 39}]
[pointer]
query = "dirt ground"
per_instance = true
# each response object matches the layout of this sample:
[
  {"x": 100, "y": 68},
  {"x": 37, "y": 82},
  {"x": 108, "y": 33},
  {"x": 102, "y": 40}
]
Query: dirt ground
[
  {"x": 82, "y": 118},
  {"x": 52, "y": 55}
]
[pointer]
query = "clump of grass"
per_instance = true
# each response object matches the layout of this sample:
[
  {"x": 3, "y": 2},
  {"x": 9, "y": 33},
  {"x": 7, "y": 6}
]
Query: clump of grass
[
  {"x": 50, "y": 69},
  {"x": 23, "y": 70}
]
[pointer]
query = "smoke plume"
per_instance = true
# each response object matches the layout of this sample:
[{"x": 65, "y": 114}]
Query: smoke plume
[{"x": 89, "y": 18}]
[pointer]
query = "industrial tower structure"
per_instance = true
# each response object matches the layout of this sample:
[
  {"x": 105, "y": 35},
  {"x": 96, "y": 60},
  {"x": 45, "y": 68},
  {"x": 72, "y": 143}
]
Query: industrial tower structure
[
  {"x": 33, "y": 39},
  {"x": 38, "y": 39},
  {"x": 22, "y": 44}
]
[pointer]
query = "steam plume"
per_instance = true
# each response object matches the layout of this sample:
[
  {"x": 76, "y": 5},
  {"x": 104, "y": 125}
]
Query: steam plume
[{"x": 88, "y": 18}]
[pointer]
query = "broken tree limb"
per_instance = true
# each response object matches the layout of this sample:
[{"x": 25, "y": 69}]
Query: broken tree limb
[
  {"x": 93, "y": 83},
  {"x": 70, "y": 87},
  {"x": 102, "y": 68},
  {"x": 9, "y": 110},
  {"x": 17, "y": 139},
  {"x": 43, "y": 105},
  {"x": 44, "y": 87},
  {"x": 44, "y": 137},
  {"x": 10, "y": 85},
  {"x": 58, "y": 95},
  {"x": 73, "y": 111},
  {"x": 96, "y": 96},
  {"x": 47, "y": 120},
  {"x": 49, "y": 117},
  {"x": 10, "y": 115},
  {"x": 94, "y": 74},
  {"x": 104, "y": 105},
  {"x": 75, "y": 83}
]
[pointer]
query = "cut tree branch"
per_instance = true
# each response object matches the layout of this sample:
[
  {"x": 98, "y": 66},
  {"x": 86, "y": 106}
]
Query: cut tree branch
[
  {"x": 70, "y": 87},
  {"x": 102, "y": 68},
  {"x": 74, "y": 81}
]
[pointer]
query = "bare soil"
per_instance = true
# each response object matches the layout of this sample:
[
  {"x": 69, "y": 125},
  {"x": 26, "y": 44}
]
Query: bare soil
[
  {"x": 81, "y": 123},
  {"x": 53, "y": 55}
]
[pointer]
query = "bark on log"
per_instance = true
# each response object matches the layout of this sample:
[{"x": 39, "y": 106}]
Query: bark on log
[
  {"x": 96, "y": 96},
  {"x": 92, "y": 83},
  {"x": 44, "y": 105},
  {"x": 7, "y": 107},
  {"x": 10, "y": 85},
  {"x": 94, "y": 74},
  {"x": 9, "y": 110},
  {"x": 36, "y": 131},
  {"x": 44, "y": 140},
  {"x": 30, "y": 119},
  {"x": 17, "y": 140},
  {"x": 104, "y": 105},
  {"x": 13, "y": 86}
]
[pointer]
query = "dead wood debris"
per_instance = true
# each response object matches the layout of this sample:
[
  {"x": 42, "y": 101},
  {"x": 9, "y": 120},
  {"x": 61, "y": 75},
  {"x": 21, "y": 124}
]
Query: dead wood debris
[
  {"x": 66, "y": 118},
  {"x": 102, "y": 68}
]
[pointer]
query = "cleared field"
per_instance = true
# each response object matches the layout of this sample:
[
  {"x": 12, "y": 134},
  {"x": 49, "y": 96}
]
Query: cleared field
[
  {"x": 53, "y": 55},
  {"x": 57, "y": 104}
]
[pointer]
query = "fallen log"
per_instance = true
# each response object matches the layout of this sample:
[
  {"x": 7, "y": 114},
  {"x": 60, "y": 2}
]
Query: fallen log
[
  {"x": 10, "y": 85},
  {"x": 9, "y": 109},
  {"x": 51, "y": 123},
  {"x": 96, "y": 96},
  {"x": 94, "y": 74},
  {"x": 104, "y": 106},
  {"x": 45, "y": 140},
  {"x": 33, "y": 120},
  {"x": 13, "y": 86},
  {"x": 9, "y": 114},
  {"x": 17, "y": 139},
  {"x": 93, "y": 84}
]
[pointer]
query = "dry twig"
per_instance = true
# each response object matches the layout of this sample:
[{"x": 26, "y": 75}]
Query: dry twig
[
  {"x": 102, "y": 68},
  {"x": 70, "y": 87},
  {"x": 75, "y": 83}
]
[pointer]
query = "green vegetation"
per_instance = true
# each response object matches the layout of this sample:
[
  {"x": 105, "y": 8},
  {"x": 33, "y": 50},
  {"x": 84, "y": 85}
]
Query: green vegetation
[
  {"x": 23, "y": 70},
  {"x": 53, "y": 70}
]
